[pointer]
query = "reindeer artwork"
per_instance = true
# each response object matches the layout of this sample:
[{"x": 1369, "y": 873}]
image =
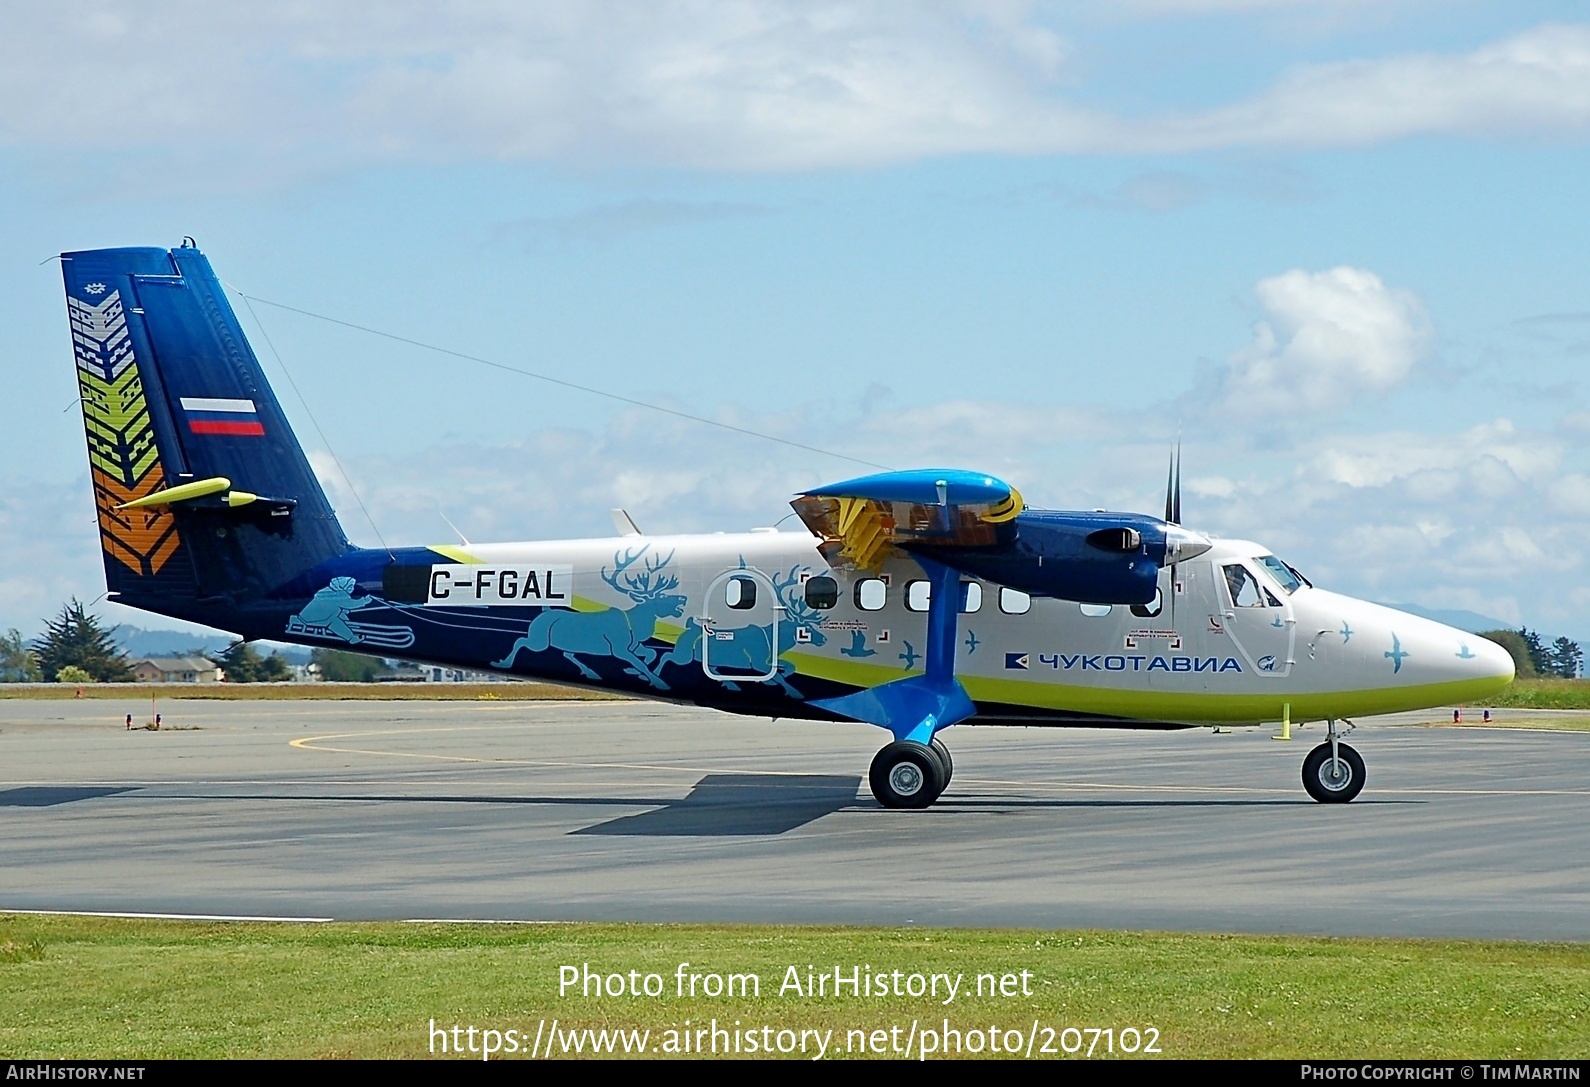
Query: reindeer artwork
[
  {"x": 747, "y": 648},
  {"x": 616, "y": 632}
]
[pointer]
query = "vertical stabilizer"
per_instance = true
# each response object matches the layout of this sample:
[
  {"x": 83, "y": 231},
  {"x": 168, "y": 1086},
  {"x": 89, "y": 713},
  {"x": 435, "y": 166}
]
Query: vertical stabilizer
[{"x": 172, "y": 395}]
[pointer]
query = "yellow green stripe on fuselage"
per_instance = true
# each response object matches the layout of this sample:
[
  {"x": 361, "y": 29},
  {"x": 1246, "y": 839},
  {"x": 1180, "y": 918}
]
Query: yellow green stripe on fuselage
[{"x": 1197, "y": 707}]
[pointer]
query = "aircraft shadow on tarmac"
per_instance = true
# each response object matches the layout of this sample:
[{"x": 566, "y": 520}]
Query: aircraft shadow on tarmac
[
  {"x": 47, "y": 796},
  {"x": 726, "y": 805}
]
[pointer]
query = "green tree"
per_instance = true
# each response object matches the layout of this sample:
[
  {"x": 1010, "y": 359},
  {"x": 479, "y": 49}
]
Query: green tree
[
  {"x": 275, "y": 669},
  {"x": 1517, "y": 648},
  {"x": 340, "y": 666},
  {"x": 73, "y": 674},
  {"x": 75, "y": 638},
  {"x": 1538, "y": 654},
  {"x": 1565, "y": 658},
  {"x": 17, "y": 662},
  {"x": 243, "y": 664}
]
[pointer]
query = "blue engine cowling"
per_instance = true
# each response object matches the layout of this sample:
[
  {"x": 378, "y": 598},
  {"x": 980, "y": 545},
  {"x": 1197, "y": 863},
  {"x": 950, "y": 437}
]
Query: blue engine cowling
[{"x": 1094, "y": 558}]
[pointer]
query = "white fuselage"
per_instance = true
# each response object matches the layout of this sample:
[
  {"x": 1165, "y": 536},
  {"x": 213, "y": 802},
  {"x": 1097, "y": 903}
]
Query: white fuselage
[{"x": 1221, "y": 645}]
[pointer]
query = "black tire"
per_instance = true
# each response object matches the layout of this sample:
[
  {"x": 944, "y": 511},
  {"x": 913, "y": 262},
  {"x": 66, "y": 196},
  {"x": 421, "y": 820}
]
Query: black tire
[
  {"x": 943, "y": 753},
  {"x": 906, "y": 774},
  {"x": 1317, "y": 774}
]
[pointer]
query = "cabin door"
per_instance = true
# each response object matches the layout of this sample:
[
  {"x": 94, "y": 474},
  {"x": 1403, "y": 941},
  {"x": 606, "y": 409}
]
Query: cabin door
[{"x": 740, "y": 620}]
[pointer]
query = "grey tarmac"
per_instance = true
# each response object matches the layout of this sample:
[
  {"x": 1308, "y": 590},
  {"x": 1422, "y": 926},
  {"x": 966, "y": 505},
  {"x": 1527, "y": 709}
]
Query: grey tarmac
[{"x": 651, "y": 812}]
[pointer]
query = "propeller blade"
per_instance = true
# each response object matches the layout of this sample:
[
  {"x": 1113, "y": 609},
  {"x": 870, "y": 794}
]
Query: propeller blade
[
  {"x": 1173, "y": 516},
  {"x": 1170, "y": 490},
  {"x": 1176, "y": 520}
]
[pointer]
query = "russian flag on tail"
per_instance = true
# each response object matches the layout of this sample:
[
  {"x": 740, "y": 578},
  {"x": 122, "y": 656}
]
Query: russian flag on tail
[{"x": 212, "y": 415}]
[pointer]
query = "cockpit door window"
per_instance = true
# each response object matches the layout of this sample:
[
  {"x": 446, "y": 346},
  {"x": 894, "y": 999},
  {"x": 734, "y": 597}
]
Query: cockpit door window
[{"x": 1244, "y": 587}]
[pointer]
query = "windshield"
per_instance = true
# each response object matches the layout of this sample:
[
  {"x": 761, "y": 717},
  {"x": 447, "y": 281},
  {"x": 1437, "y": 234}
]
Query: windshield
[{"x": 1283, "y": 574}]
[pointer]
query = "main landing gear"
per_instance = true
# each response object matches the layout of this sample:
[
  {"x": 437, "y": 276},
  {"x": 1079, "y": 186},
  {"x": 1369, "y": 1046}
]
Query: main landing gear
[
  {"x": 1333, "y": 773},
  {"x": 907, "y": 774}
]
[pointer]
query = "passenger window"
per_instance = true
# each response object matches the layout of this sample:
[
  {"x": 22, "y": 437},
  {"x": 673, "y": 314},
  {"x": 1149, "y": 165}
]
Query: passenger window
[
  {"x": 1095, "y": 611},
  {"x": 971, "y": 597},
  {"x": 1152, "y": 608},
  {"x": 822, "y": 592},
  {"x": 1244, "y": 589},
  {"x": 872, "y": 594},
  {"x": 918, "y": 594},
  {"x": 740, "y": 593},
  {"x": 1014, "y": 601}
]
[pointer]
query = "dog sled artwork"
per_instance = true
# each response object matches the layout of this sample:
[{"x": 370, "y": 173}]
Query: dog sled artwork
[{"x": 326, "y": 616}]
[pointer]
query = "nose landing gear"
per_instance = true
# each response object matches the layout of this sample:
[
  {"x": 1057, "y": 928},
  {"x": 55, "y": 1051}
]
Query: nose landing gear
[{"x": 1333, "y": 773}]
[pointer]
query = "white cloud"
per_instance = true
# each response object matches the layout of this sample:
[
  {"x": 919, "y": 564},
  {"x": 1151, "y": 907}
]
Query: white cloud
[
  {"x": 1571, "y": 495},
  {"x": 1326, "y": 339},
  {"x": 1206, "y": 7},
  {"x": 732, "y": 84},
  {"x": 1534, "y": 82},
  {"x": 1471, "y": 458},
  {"x": 611, "y": 221}
]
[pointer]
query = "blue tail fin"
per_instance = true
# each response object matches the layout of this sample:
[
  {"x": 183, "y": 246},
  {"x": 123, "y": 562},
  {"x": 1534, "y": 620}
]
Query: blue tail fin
[{"x": 173, "y": 397}]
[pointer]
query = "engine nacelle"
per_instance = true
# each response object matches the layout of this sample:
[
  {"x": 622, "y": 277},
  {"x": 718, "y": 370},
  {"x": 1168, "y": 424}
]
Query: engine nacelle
[{"x": 1093, "y": 558}]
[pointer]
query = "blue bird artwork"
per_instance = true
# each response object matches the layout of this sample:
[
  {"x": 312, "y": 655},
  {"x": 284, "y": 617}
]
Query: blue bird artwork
[
  {"x": 1396, "y": 654},
  {"x": 858, "y": 645}
]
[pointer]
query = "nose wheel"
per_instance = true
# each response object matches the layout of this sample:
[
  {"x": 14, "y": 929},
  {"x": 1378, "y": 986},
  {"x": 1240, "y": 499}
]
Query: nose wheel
[
  {"x": 1333, "y": 773},
  {"x": 906, "y": 774}
]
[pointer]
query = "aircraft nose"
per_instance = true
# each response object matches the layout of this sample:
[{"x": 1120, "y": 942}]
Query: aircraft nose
[{"x": 1491, "y": 661}]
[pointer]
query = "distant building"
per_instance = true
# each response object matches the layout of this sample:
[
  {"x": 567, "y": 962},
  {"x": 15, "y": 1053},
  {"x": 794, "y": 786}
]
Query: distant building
[
  {"x": 176, "y": 670},
  {"x": 407, "y": 672}
]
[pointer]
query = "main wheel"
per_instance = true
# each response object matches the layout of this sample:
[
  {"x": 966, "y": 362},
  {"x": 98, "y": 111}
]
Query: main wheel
[
  {"x": 1333, "y": 783},
  {"x": 943, "y": 753},
  {"x": 906, "y": 774}
]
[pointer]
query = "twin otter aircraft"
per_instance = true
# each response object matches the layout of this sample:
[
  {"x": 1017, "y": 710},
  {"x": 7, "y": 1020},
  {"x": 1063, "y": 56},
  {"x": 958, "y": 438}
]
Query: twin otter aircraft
[{"x": 913, "y": 601}]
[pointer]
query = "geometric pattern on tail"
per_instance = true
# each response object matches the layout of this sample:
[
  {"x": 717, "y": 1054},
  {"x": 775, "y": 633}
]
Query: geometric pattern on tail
[{"x": 124, "y": 463}]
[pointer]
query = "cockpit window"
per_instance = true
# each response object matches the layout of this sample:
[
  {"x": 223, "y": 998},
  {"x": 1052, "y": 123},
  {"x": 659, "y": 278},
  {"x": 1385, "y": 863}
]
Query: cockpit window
[
  {"x": 1284, "y": 575},
  {"x": 1244, "y": 589}
]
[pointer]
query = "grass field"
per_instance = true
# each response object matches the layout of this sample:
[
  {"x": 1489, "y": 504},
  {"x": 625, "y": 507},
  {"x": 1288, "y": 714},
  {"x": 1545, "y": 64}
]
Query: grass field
[
  {"x": 93, "y": 987},
  {"x": 435, "y": 692},
  {"x": 1538, "y": 693},
  {"x": 1543, "y": 720}
]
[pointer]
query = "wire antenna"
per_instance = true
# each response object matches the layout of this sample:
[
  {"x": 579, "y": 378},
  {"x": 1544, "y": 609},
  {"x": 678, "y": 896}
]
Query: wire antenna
[
  {"x": 318, "y": 430},
  {"x": 622, "y": 399},
  {"x": 454, "y": 527}
]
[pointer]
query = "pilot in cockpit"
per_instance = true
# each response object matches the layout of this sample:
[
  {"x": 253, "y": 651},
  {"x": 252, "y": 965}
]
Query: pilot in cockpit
[{"x": 1246, "y": 592}]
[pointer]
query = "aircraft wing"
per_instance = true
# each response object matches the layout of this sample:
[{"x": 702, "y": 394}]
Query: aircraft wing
[{"x": 979, "y": 525}]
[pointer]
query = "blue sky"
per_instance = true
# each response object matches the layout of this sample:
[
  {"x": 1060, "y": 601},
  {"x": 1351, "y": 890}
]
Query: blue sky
[{"x": 1339, "y": 246}]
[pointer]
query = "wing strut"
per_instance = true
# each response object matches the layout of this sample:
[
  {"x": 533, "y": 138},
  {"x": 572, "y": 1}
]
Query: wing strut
[{"x": 915, "y": 708}]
